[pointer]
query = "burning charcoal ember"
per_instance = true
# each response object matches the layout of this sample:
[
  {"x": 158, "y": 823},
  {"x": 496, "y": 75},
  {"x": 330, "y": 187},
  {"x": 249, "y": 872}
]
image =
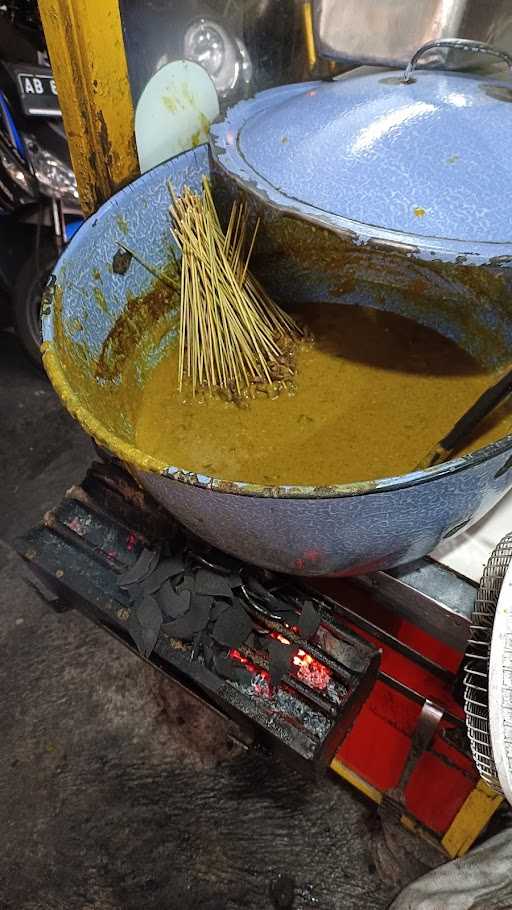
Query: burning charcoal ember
[
  {"x": 195, "y": 620},
  {"x": 145, "y": 564},
  {"x": 309, "y": 620},
  {"x": 220, "y": 628},
  {"x": 280, "y": 655},
  {"x": 193, "y": 598},
  {"x": 172, "y": 603},
  {"x": 190, "y": 596},
  {"x": 232, "y": 627},
  {"x": 169, "y": 567},
  {"x": 286, "y": 615},
  {"x": 208, "y": 582},
  {"x": 144, "y": 624}
]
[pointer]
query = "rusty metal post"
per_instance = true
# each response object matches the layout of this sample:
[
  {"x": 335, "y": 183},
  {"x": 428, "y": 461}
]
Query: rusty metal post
[{"x": 86, "y": 48}]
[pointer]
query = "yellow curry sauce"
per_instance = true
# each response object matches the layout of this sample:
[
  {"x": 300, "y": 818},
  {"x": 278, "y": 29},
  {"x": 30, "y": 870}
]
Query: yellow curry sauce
[{"x": 374, "y": 394}]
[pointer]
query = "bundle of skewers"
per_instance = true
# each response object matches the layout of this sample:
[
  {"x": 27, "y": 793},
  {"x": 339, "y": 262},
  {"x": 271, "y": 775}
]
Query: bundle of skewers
[{"x": 234, "y": 340}]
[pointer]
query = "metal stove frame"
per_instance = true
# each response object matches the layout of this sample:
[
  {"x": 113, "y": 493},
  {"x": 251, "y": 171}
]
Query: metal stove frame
[{"x": 430, "y": 597}]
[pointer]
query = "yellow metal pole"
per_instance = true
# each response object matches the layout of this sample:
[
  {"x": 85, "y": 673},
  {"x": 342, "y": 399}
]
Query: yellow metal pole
[
  {"x": 309, "y": 34},
  {"x": 86, "y": 48}
]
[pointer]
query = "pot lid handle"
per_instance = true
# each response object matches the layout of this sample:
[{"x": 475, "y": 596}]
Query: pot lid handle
[{"x": 462, "y": 44}]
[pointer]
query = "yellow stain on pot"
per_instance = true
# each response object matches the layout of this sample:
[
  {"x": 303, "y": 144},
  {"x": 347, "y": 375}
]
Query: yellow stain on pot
[
  {"x": 92, "y": 425},
  {"x": 90, "y": 387}
]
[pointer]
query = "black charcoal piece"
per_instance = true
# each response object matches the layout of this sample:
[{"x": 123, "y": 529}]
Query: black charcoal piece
[
  {"x": 202, "y": 604},
  {"x": 309, "y": 620},
  {"x": 232, "y": 628},
  {"x": 136, "y": 631},
  {"x": 134, "y": 592},
  {"x": 188, "y": 583},
  {"x": 207, "y": 582},
  {"x": 172, "y": 603},
  {"x": 288, "y": 615},
  {"x": 219, "y": 607},
  {"x": 221, "y": 562},
  {"x": 194, "y": 621},
  {"x": 197, "y": 645},
  {"x": 166, "y": 568},
  {"x": 253, "y": 641},
  {"x": 280, "y": 656},
  {"x": 144, "y": 624},
  {"x": 231, "y": 669},
  {"x": 141, "y": 569},
  {"x": 208, "y": 652},
  {"x": 177, "y": 583},
  {"x": 270, "y": 600},
  {"x": 173, "y": 546}
]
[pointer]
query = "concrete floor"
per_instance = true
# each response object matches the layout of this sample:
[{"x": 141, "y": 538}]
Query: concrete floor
[{"x": 119, "y": 792}]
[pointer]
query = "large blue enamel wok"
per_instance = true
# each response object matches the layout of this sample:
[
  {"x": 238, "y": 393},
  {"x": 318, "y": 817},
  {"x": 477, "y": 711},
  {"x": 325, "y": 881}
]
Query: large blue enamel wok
[{"x": 347, "y": 529}]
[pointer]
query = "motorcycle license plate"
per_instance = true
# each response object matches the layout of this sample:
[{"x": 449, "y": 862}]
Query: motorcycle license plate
[{"x": 38, "y": 94}]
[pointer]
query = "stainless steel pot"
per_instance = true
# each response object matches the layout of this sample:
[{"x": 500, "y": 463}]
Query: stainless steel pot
[{"x": 388, "y": 32}]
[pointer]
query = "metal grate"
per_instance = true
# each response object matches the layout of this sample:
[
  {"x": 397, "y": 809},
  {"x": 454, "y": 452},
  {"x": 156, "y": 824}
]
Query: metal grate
[{"x": 476, "y": 667}]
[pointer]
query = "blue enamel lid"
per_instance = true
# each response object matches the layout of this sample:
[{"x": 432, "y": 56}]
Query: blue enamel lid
[{"x": 430, "y": 157}]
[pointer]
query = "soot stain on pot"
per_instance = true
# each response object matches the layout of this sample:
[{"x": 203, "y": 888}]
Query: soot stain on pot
[
  {"x": 127, "y": 351},
  {"x": 79, "y": 364},
  {"x": 157, "y": 309}
]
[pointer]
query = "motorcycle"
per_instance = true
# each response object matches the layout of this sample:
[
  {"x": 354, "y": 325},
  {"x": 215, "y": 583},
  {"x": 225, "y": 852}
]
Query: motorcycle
[{"x": 39, "y": 202}]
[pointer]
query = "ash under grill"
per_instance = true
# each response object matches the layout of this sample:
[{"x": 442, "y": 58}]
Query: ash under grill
[{"x": 255, "y": 646}]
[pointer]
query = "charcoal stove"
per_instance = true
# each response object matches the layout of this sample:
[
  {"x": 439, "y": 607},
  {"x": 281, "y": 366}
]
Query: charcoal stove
[
  {"x": 293, "y": 689},
  {"x": 361, "y": 676}
]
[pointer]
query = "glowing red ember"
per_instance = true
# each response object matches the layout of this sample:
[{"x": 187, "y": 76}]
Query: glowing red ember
[{"x": 310, "y": 671}]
